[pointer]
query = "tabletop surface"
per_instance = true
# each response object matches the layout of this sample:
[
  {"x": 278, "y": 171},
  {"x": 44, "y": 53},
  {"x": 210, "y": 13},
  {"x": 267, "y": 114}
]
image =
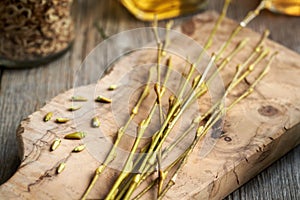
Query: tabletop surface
[{"x": 24, "y": 91}]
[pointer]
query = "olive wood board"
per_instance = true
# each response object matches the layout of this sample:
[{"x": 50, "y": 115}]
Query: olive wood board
[{"x": 257, "y": 131}]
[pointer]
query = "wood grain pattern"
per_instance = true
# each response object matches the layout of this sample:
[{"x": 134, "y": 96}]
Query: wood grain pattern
[
  {"x": 259, "y": 128},
  {"x": 24, "y": 91}
]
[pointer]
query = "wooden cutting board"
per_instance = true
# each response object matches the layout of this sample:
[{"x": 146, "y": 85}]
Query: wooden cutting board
[{"x": 258, "y": 131}]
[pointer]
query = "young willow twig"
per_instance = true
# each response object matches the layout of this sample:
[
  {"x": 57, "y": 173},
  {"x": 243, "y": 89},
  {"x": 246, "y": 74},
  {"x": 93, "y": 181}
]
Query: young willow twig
[
  {"x": 153, "y": 155},
  {"x": 217, "y": 24},
  {"x": 159, "y": 138},
  {"x": 203, "y": 90},
  {"x": 202, "y": 130},
  {"x": 256, "y": 50},
  {"x": 135, "y": 179},
  {"x": 158, "y": 72},
  {"x": 244, "y": 75},
  {"x": 232, "y": 85},
  {"x": 159, "y": 89},
  {"x": 121, "y": 131},
  {"x": 249, "y": 17},
  {"x": 128, "y": 165},
  {"x": 214, "y": 31},
  {"x": 176, "y": 105}
]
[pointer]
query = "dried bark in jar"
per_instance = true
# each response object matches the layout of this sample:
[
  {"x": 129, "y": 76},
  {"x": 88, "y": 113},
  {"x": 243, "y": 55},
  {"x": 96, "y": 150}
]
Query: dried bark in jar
[{"x": 34, "y": 29}]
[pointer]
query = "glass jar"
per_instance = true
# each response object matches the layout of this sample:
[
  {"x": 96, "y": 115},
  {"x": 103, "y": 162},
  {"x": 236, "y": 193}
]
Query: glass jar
[{"x": 34, "y": 32}]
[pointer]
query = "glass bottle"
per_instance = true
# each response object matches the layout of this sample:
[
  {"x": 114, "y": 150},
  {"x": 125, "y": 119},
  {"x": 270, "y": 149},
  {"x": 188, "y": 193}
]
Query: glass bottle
[
  {"x": 148, "y": 10},
  {"x": 34, "y": 32},
  {"x": 289, "y": 7}
]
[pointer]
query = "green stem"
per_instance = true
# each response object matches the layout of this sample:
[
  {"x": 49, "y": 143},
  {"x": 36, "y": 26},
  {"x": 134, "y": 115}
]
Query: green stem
[
  {"x": 159, "y": 138},
  {"x": 214, "y": 30},
  {"x": 182, "y": 90},
  {"x": 169, "y": 67},
  {"x": 256, "y": 50},
  {"x": 203, "y": 90},
  {"x": 167, "y": 37},
  {"x": 257, "y": 80},
  {"x": 176, "y": 110},
  {"x": 166, "y": 171},
  {"x": 210, "y": 123},
  {"x": 237, "y": 79},
  {"x": 128, "y": 165},
  {"x": 110, "y": 157},
  {"x": 144, "y": 191},
  {"x": 249, "y": 17},
  {"x": 217, "y": 24}
]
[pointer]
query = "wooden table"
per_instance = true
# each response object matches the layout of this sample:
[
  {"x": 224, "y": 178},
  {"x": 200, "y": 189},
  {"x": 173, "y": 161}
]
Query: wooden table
[{"x": 24, "y": 91}]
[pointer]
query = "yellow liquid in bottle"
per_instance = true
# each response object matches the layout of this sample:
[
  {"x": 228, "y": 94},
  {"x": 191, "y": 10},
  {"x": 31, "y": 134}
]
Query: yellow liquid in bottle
[
  {"x": 163, "y": 9},
  {"x": 289, "y": 7}
]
